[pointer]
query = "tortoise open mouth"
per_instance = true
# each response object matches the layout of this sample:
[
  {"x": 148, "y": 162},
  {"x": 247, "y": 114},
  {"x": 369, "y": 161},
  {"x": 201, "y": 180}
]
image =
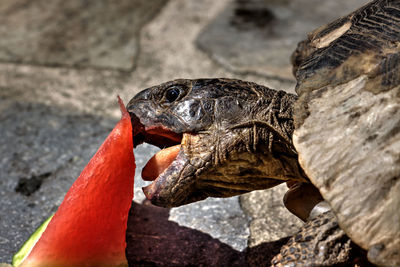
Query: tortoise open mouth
[
  {"x": 165, "y": 166},
  {"x": 154, "y": 135},
  {"x": 161, "y": 166}
]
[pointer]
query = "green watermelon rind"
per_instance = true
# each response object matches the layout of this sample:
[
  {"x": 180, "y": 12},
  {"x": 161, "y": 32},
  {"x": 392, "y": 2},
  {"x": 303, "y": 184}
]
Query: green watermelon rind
[{"x": 27, "y": 247}]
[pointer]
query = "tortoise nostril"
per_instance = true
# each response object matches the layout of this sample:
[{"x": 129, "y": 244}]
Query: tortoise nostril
[
  {"x": 137, "y": 101},
  {"x": 142, "y": 95}
]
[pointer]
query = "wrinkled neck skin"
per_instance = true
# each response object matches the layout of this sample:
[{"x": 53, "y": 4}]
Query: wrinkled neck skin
[{"x": 235, "y": 137}]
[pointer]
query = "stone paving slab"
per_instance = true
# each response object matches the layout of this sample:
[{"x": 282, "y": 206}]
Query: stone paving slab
[
  {"x": 100, "y": 33},
  {"x": 169, "y": 51},
  {"x": 259, "y": 36}
]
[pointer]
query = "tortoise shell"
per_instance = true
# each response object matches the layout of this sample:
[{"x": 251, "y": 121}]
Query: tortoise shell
[{"x": 348, "y": 123}]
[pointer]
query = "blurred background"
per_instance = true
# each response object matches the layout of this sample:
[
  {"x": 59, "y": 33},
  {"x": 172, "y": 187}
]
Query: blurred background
[{"x": 62, "y": 65}]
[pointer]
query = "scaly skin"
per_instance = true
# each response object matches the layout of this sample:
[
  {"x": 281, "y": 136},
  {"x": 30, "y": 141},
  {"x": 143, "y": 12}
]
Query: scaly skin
[{"x": 237, "y": 137}]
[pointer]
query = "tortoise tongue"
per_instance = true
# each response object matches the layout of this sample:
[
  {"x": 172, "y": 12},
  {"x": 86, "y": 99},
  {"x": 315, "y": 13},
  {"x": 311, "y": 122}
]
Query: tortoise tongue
[{"x": 159, "y": 162}]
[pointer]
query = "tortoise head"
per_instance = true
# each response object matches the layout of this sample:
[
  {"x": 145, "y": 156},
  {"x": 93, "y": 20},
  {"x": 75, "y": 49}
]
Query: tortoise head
[{"x": 226, "y": 145}]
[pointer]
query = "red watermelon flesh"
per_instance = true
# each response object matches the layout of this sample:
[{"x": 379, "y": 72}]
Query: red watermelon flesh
[{"x": 89, "y": 227}]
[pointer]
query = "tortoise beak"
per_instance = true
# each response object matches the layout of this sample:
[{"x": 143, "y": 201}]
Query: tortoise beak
[
  {"x": 176, "y": 185},
  {"x": 148, "y": 128},
  {"x": 160, "y": 191}
]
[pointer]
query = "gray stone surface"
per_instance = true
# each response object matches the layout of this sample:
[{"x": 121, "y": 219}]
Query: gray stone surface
[
  {"x": 260, "y": 38},
  {"x": 222, "y": 219},
  {"x": 101, "y": 33},
  {"x": 271, "y": 221},
  {"x": 168, "y": 49},
  {"x": 142, "y": 154}
]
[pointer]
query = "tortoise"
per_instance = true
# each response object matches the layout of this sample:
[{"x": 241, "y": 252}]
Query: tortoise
[{"x": 336, "y": 143}]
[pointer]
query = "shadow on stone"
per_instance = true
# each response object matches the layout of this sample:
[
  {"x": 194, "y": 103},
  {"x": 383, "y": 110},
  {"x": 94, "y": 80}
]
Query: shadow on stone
[
  {"x": 262, "y": 254},
  {"x": 245, "y": 18},
  {"x": 153, "y": 240}
]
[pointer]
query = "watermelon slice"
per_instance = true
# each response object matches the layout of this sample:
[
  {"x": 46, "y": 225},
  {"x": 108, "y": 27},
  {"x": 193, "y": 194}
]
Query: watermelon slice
[{"x": 89, "y": 227}]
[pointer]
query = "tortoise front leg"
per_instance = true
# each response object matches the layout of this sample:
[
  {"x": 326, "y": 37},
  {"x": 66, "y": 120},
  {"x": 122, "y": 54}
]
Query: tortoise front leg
[{"x": 320, "y": 242}]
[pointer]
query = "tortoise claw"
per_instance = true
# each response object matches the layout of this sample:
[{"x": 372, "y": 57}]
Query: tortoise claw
[{"x": 301, "y": 198}]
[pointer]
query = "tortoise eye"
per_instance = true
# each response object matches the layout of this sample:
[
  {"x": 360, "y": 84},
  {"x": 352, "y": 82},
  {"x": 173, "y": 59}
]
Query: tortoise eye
[{"x": 172, "y": 94}]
